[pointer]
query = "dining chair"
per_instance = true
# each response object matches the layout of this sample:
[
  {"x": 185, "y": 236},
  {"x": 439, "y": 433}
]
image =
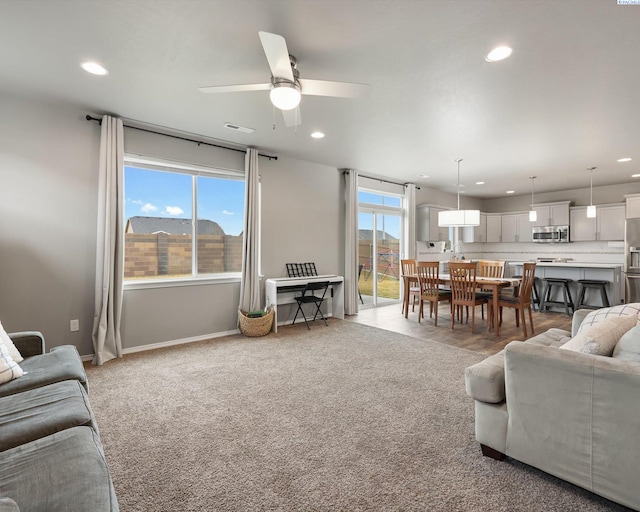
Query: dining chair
[
  {"x": 464, "y": 291},
  {"x": 523, "y": 300},
  {"x": 430, "y": 290},
  {"x": 411, "y": 288},
  {"x": 490, "y": 268}
]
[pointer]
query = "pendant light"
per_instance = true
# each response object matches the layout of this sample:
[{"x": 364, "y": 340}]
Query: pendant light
[
  {"x": 458, "y": 218},
  {"x": 533, "y": 215},
  {"x": 591, "y": 209}
]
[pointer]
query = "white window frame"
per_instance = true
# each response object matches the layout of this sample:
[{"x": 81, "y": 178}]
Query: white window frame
[{"x": 194, "y": 170}]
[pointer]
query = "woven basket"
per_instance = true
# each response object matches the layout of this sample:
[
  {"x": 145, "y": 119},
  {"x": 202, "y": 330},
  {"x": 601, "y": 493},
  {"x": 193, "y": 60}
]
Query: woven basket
[{"x": 255, "y": 326}]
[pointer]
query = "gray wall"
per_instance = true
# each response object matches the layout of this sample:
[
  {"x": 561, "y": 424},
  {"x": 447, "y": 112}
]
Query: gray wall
[
  {"x": 48, "y": 186},
  {"x": 48, "y": 180}
]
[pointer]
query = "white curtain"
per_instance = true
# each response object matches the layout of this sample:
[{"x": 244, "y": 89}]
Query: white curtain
[
  {"x": 410, "y": 220},
  {"x": 250, "y": 286},
  {"x": 107, "y": 343},
  {"x": 351, "y": 243}
]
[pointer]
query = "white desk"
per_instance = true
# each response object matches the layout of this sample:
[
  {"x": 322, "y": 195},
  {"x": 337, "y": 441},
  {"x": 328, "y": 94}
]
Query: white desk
[{"x": 282, "y": 290}]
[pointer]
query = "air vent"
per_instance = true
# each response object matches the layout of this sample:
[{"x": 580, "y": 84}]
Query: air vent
[{"x": 238, "y": 128}]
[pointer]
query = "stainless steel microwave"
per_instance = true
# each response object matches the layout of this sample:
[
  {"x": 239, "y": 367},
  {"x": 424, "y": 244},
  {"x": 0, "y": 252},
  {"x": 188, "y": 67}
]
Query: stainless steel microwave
[{"x": 550, "y": 234}]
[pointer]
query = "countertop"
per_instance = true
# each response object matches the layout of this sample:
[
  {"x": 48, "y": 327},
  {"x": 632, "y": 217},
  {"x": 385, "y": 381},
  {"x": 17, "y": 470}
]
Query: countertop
[{"x": 571, "y": 264}]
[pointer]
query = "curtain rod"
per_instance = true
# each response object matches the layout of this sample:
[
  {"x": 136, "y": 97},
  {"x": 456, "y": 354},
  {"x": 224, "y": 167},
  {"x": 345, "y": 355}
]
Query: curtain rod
[
  {"x": 386, "y": 181},
  {"x": 270, "y": 157}
]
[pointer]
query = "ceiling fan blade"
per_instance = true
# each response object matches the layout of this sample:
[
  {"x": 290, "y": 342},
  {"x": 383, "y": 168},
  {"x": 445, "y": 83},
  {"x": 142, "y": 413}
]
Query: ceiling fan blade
[
  {"x": 235, "y": 88},
  {"x": 275, "y": 48},
  {"x": 337, "y": 89},
  {"x": 292, "y": 117}
]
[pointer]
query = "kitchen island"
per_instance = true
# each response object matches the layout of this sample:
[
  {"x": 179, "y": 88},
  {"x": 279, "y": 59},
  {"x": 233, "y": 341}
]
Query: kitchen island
[{"x": 611, "y": 272}]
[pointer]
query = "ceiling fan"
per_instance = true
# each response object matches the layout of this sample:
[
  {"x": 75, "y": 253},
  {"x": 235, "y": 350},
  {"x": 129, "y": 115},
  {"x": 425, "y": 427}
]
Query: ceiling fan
[{"x": 286, "y": 86}]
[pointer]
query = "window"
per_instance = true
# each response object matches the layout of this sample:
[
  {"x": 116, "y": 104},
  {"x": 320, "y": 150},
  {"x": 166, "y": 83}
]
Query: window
[{"x": 181, "y": 221}]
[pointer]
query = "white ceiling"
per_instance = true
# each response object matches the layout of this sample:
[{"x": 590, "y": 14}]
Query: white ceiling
[{"x": 567, "y": 99}]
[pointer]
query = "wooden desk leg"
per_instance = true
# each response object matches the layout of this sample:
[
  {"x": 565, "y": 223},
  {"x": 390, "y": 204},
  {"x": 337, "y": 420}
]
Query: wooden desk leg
[
  {"x": 496, "y": 292},
  {"x": 406, "y": 296}
]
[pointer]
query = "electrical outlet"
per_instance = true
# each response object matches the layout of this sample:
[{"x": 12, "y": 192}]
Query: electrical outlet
[{"x": 74, "y": 325}]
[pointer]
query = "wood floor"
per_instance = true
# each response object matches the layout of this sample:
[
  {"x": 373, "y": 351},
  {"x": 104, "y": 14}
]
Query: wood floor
[{"x": 391, "y": 318}]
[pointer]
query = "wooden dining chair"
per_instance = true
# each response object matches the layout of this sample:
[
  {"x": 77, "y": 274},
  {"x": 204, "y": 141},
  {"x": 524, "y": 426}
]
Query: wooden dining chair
[
  {"x": 522, "y": 301},
  {"x": 430, "y": 290},
  {"x": 464, "y": 291},
  {"x": 490, "y": 268},
  {"x": 411, "y": 288}
]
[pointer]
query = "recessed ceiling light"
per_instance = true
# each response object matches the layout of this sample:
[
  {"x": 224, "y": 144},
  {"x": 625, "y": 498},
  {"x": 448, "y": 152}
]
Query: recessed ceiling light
[
  {"x": 94, "y": 68},
  {"x": 511, "y": 191},
  {"x": 635, "y": 175},
  {"x": 625, "y": 159},
  {"x": 317, "y": 135},
  {"x": 425, "y": 176},
  {"x": 499, "y": 53},
  {"x": 479, "y": 182}
]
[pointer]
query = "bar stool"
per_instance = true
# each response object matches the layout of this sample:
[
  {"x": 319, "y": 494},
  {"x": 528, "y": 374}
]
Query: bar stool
[
  {"x": 562, "y": 282},
  {"x": 598, "y": 285},
  {"x": 535, "y": 292}
]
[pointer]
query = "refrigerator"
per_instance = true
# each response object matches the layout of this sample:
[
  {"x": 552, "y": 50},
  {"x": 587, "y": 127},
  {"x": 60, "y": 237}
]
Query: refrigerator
[{"x": 632, "y": 260}]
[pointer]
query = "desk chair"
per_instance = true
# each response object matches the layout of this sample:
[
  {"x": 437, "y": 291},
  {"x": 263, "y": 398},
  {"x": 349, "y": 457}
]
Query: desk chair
[
  {"x": 309, "y": 296},
  {"x": 411, "y": 288},
  {"x": 463, "y": 291},
  {"x": 429, "y": 282}
]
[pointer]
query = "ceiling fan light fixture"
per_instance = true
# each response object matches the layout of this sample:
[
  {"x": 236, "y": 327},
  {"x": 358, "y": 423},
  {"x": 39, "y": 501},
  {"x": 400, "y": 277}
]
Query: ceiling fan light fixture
[{"x": 285, "y": 95}]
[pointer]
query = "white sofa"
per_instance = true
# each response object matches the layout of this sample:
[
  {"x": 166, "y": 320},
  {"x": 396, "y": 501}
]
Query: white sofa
[{"x": 571, "y": 414}]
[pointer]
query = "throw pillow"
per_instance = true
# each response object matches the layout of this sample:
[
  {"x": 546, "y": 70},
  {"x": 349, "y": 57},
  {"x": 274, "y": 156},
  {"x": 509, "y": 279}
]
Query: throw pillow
[
  {"x": 628, "y": 347},
  {"x": 601, "y": 338},
  {"x": 598, "y": 315},
  {"x": 13, "y": 351},
  {"x": 9, "y": 369}
]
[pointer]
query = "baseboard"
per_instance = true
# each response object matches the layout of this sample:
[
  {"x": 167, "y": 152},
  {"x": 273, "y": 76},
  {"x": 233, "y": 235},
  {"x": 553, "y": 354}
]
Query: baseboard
[{"x": 170, "y": 343}]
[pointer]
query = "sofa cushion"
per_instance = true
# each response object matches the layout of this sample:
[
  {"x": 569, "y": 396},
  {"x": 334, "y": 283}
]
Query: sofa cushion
[
  {"x": 62, "y": 363},
  {"x": 40, "y": 412},
  {"x": 58, "y": 473},
  {"x": 8, "y": 342},
  {"x": 600, "y": 338},
  {"x": 628, "y": 347},
  {"x": 484, "y": 381},
  {"x": 597, "y": 315},
  {"x": 9, "y": 369}
]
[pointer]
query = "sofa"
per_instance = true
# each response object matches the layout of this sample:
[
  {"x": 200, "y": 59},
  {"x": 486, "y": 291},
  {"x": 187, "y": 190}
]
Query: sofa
[
  {"x": 568, "y": 403},
  {"x": 51, "y": 457}
]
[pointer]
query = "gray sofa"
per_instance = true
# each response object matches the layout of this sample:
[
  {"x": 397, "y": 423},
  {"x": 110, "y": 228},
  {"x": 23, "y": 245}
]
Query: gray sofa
[
  {"x": 571, "y": 414},
  {"x": 51, "y": 458}
]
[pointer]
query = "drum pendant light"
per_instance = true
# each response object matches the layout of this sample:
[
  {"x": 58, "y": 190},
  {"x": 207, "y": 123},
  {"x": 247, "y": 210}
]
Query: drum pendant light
[
  {"x": 533, "y": 215},
  {"x": 458, "y": 218},
  {"x": 591, "y": 209}
]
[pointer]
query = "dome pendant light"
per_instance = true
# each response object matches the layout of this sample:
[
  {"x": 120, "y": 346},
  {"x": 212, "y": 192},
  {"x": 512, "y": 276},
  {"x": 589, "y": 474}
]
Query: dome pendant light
[
  {"x": 458, "y": 218},
  {"x": 591, "y": 209},
  {"x": 533, "y": 215}
]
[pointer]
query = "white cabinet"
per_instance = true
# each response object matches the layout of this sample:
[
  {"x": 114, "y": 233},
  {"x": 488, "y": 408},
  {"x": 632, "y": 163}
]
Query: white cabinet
[
  {"x": 607, "y": 225},
  {"x": 516, "y": 228},
  {"x": 471, "y": 234},
  {"x": 633, "y": 207},
  {"x": 552, "y": 214},
  {"x": 494, "y": 228},
  {"x": 525, "y": 231},
  {"x": 610, "y": 222},
  {"x": 509, "y": 228},
  {"x": 581, "y": 228},
  {"x": 427, "y": 229}
]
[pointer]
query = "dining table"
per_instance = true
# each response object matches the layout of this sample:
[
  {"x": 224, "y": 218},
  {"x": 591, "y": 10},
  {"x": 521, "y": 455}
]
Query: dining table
[{"x": 493, "y": 284}]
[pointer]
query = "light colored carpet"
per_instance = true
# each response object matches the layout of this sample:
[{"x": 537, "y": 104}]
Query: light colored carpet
[{"x": 346, "y": 417}]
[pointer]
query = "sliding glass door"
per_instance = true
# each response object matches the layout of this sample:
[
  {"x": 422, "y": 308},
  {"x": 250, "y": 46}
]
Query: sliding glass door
[{"x": 379, "y": 243}]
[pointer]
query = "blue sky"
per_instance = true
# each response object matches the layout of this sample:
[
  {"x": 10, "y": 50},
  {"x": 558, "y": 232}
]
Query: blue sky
[
  {"x": 151, "y": 193},
  {"x": 390, "y": 223}
]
